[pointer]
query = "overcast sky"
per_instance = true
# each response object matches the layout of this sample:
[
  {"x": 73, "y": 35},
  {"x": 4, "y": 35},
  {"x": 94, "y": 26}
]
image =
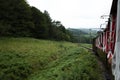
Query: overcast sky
[{"x": 75, "y": 13}]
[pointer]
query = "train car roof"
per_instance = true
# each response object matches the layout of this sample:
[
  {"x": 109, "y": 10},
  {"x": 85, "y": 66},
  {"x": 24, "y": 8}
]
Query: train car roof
[
  {"x": 114, "y": 7},
  {"x": 113, "y": 12}
]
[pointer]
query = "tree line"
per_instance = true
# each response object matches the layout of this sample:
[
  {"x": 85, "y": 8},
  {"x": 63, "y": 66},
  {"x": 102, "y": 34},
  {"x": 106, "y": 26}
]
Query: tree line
[
  {"x": 19, "y": 19},
  {"x": 82, "y": 35}
]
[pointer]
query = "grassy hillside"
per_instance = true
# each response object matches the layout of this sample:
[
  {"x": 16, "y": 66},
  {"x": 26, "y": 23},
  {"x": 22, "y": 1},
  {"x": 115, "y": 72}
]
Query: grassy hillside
[{"x": 32, "y": 59}]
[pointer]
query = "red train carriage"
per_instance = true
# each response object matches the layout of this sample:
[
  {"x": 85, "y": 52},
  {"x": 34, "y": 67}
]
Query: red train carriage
[
  {"x": 105, "y": 40},
  {"x": 108, "y": 40}
]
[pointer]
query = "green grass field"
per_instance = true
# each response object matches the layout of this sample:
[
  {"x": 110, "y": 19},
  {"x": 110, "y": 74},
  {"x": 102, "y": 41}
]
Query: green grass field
[{"x": 33, "y": 59}]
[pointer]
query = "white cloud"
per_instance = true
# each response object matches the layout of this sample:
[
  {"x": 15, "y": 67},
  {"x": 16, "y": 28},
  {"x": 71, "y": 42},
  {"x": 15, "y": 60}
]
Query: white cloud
[{"x": 75, "y": 13}]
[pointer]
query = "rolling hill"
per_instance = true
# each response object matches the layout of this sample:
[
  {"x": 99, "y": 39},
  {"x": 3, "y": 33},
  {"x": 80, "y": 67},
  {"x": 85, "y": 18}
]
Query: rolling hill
[{"x": 83, "y": 35}]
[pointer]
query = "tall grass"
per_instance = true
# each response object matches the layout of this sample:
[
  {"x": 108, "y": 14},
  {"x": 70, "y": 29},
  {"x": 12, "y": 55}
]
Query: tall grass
[
  {"x": 74, "y": 64},
  {"x": 33, "y": 59}
]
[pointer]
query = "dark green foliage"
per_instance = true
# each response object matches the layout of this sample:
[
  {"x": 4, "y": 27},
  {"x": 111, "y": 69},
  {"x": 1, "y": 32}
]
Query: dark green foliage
[
  {"x": 15, "y": 18},
  {"x": 18, "y": 19},
  {"x": 58, "y": 31},
  {"x": 41, "y": 28}
]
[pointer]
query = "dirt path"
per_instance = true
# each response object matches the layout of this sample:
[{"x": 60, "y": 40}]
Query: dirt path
[{"x": 105, "y": 72}]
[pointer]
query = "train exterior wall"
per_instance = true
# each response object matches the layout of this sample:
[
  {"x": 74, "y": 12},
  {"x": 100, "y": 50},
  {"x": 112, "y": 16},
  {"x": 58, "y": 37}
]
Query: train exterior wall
[{"x": 107, "y": 43}]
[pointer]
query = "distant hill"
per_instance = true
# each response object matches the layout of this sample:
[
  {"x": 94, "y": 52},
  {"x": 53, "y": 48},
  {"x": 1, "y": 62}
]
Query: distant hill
[
  {"x": 83, "y": 35},
  {"x": 89, "y": 30}
]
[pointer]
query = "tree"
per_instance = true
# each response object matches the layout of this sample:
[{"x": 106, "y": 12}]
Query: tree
[
  {"x": 59, "y": 32},
  {"x": 17, "y": 15},
  {"x": 18, "y": 19},
  {"x": 41, "y": 24}
]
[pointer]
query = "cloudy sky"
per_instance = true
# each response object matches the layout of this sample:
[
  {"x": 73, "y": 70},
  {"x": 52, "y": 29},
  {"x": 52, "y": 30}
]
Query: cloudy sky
[{"x": 75, "y": 13}]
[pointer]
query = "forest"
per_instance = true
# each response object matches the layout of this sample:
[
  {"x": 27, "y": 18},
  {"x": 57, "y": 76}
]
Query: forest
[{"x": 19, "y": 19}]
